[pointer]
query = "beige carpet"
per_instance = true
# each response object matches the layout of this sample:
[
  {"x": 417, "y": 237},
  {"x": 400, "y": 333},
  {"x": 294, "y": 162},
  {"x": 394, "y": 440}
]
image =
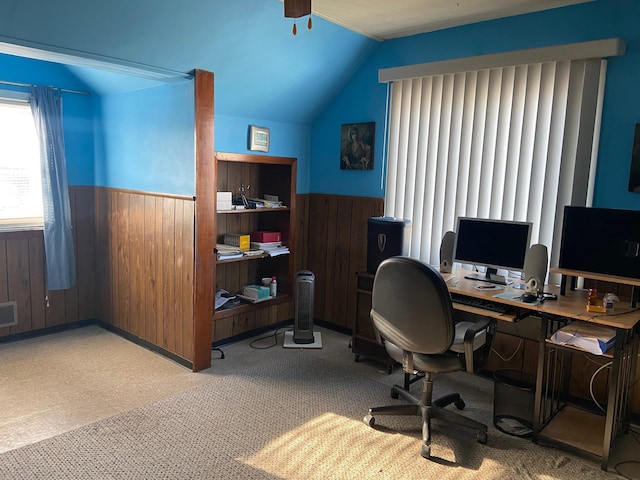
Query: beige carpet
[{"x": 298, "y": 417}]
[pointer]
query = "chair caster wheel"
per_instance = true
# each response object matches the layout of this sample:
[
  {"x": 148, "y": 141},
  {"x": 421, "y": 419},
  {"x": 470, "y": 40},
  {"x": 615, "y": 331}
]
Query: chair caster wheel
[
  {"x": 425, "y": 451},
  {"x": 357, "y": 358},
  {"x": 460, "y": 404},
  {"x": 394, "y": 394},
  {"x": 481, "y": 437},
  {"x": 369, "y": 420}
]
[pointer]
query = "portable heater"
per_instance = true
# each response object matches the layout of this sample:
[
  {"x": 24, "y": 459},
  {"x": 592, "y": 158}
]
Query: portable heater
[
  {"x": 303, "y": 335},
  {"x": 303, "y": 319}
]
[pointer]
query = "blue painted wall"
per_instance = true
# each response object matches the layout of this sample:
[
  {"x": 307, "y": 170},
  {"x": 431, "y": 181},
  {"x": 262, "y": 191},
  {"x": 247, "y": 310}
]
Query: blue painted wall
[
  {"x": 145, "y": 140},
  {"x": 363, "y": 98}
]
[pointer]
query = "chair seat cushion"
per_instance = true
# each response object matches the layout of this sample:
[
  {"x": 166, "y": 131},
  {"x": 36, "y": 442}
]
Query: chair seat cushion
[{"x": 444, "y": 363}]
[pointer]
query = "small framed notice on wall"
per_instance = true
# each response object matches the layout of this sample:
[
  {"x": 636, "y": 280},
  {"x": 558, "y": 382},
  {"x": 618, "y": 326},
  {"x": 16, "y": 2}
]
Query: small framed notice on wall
[{"x": 258, "y": 138}]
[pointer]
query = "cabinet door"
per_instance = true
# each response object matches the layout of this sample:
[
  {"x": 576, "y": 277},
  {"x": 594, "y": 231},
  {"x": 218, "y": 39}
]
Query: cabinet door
[{"x": 364, "y": 327}]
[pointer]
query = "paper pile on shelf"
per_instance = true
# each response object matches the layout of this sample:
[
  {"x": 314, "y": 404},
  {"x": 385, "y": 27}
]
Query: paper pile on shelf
[
  {"x": 273, "y": 249},
  {"x": 596, "y": 339},
  {"x": 227, "y": 252}
]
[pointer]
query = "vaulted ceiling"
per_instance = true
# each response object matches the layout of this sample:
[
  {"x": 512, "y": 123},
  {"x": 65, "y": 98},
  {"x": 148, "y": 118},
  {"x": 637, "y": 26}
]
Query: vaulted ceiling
[{"x": 261, "y": 70}]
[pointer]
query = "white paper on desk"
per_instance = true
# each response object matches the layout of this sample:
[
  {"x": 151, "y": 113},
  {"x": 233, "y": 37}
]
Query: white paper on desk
[{"x": 596, "y": 339}]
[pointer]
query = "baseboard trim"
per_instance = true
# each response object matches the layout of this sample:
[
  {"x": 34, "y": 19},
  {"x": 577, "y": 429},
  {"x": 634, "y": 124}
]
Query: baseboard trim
[
  {"x": 15, "y": 337},
  {"x": 146, "y": 344}
]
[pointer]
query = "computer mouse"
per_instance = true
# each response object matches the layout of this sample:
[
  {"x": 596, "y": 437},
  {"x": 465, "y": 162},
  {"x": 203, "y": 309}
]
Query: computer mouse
[{"x": 528, "y": 297}]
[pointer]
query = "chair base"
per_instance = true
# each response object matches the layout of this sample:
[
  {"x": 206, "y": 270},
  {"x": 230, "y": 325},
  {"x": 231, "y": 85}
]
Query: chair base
[{"x": 428, "y": 410}]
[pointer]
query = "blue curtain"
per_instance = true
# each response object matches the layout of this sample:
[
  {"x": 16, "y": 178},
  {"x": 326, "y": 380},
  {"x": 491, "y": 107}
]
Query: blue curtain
[{"x": 58, "y": 240}]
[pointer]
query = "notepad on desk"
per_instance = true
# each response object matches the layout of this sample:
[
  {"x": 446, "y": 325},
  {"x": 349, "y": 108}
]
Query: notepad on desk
[{"x": 596, "y": 339}]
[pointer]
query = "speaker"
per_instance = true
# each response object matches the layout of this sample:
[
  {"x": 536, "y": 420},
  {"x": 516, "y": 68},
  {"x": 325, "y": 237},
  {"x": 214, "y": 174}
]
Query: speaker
[
  {"x": 303, "y": 315},
  {"x": 386, "y": 237},
  {"x": 446, "y": 252},
  {"x": 535, "y": 268}
]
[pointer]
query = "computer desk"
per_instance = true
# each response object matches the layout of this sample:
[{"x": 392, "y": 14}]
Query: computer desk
[{"x": 556, "y": 421}]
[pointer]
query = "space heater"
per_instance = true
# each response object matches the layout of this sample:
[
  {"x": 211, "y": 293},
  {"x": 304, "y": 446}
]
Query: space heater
[{"x": 303, "y": 319}]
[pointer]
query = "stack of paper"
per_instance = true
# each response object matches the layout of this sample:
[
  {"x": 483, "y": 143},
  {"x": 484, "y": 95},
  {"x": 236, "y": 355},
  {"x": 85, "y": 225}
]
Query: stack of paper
[
  {"x": 227, "y": 252},
  {"x": 272, "y": 248},
  {"x": 596, "y": 339}
]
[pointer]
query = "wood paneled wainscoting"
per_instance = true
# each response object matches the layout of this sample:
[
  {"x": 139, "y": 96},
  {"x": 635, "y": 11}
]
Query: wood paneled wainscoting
[
  {"x": 145, "y": 267},
  {"x": 336, "y": 236},
  {"x": 22, "y": 274}
]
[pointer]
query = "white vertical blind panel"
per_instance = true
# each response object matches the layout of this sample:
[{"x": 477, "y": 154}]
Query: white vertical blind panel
[
  {"x": 490, "y": 178},
  {"x": 444, "y": 156},
  {"x": 533, "y": 204},
  {"x": 426, "y": 181},
  {"x": 403, "y": 150},
  {"x": 395, "y": 109},
  {"x": 454, "y": 170},
  {"x": 411, "y": 184},
  {"x": 477, "y": 145},
  {"x": 519, "y": 92},
  {"x": 602, "y": 76},
  {"x": 412, "y": 152},
  {"x": 466, "y": 185},
  {"x": 505, "y": 143}
]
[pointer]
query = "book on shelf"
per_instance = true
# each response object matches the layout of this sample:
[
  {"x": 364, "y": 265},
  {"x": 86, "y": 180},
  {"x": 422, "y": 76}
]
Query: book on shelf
[
  {"x": 596, "y": 339},
  {"x": 266, "y": 245},
  {"x": 252, "y": 252},
  {"x": 227, "y": 252},
  {"x": 278, "y": 251},
  {"x": 269, "y": 201}
]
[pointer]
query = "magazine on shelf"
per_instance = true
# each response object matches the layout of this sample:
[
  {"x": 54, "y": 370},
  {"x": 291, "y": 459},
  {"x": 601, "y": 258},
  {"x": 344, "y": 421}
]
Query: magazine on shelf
[{"x": 596, "y": 339}]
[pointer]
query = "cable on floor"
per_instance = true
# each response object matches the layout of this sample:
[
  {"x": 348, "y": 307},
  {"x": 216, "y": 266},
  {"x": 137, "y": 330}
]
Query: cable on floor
[
  {"x": 216, "y": 349},
  {"x": 273, "y": 335}
]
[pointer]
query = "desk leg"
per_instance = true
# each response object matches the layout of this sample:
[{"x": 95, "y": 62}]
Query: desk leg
[
  {"x": 563, "y": 285},
  {"x": 537, "y": 406}
]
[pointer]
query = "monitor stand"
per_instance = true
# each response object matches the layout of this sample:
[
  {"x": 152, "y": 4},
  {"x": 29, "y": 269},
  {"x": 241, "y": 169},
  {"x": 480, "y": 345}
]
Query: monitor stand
[{"x": 490, "y": 276}]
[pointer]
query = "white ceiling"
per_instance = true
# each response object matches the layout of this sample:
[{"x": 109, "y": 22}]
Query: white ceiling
[{"x": 385, "y": 19}]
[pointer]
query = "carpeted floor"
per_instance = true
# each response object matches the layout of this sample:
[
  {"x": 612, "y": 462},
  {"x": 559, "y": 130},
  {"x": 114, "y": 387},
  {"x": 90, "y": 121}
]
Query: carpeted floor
[{"x": 297, "y": 417}]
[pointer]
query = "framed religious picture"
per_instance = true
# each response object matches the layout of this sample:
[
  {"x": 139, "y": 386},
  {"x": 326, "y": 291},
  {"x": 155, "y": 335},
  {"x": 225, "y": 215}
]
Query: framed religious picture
[{"x": 356, "y": 146}]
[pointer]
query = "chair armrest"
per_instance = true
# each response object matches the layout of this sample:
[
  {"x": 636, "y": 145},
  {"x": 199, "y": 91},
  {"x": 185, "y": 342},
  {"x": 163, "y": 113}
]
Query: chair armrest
[{"x": 469, "y": 337}]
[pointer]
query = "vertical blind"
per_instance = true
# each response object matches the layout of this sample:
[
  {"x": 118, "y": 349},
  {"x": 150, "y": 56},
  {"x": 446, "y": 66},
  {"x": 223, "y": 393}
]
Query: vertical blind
[{"x": 511, "y": 143}]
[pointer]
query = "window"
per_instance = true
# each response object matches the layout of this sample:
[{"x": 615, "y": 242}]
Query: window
[
  {"x": 20, "y": 175},
  {"x": 507, "y": 142}
]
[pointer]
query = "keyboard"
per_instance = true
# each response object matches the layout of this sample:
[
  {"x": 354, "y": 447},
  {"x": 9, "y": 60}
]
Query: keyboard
[{"x": 480, "y": 303}]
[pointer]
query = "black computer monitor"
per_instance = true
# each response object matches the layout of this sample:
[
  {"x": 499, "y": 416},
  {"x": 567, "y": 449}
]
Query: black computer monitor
[
  {"x": 494, "y": 244},
  {"x": 601, "y": 240}
]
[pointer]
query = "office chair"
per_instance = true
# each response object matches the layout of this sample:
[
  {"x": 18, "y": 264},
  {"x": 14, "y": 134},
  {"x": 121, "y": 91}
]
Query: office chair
[{"x": 413, "y": 318}]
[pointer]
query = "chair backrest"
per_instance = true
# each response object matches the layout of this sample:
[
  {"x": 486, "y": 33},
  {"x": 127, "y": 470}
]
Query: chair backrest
[{"x": 411, "y": 306}]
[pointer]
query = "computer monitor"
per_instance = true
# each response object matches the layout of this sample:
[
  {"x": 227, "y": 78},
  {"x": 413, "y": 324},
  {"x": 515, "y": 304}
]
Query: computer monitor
[
  {"x": 494, "y": 244},
  {"x": 601, "y": 240}
]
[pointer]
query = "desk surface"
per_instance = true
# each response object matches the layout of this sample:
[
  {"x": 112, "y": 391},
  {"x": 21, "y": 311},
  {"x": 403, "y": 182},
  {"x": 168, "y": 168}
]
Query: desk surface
[{"x": 572, "y": 305}]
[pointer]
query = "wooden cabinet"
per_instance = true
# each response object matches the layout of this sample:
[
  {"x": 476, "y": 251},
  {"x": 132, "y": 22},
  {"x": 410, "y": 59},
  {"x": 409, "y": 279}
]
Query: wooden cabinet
[
  {"x": 262, "y": 175},
  {"x": 363, "y": 339}
]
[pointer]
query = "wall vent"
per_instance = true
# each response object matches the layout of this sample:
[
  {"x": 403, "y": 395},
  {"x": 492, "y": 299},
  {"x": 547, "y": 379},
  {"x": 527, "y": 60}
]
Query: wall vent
[{"x": 8, "y": 314}]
